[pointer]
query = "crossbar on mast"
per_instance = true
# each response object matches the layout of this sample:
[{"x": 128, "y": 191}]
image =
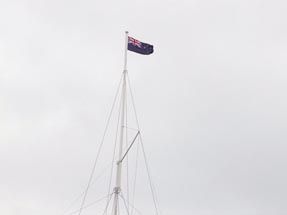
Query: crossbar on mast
[{"x": 130, "y": 147}]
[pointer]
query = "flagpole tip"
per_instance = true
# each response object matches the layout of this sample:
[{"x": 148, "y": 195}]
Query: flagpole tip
[{"x": 126, "y": 32}]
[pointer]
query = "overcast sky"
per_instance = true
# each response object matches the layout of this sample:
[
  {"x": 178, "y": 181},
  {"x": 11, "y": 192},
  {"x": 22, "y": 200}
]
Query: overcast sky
[{"x": 211, "y": 101}]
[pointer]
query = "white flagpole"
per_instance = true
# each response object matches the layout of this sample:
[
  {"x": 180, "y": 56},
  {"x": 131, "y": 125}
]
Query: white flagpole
[
  {"x": 126, "y": 51},
  {"x": 117, "y": 188}
]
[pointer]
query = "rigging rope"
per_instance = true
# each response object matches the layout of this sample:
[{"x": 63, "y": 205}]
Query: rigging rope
[
  {"x": 126, "y": 124},
  {"x": 145, "y": 158},
  {"x": 126, "y": 202},
  {"x": 90, "y": 204},
  {"x": 149, "y": 177},
  {"x": 100, "y": 147},
  {"x": 95, "y": 180},
  {"x": 114, "y": 151},
  {"x": 107, "y": 205},
  {"x": 126, "y": 206},
  {"x": 135, "y": 178}
]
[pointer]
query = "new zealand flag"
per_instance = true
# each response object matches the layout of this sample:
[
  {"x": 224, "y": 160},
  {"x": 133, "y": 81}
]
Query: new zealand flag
[{"x": 139, "y": 47}]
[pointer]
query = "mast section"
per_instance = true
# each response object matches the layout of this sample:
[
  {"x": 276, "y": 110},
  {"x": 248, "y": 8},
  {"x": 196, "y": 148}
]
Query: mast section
[{"x": 117, "y": 188}]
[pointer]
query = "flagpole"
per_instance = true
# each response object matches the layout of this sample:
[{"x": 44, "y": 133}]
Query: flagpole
[
  {"x": 126, "y": 51},
  {"x": 117, "y": 188}
]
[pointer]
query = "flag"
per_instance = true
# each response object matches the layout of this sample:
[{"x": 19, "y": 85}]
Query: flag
[{"x": 139, "y": 47}]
